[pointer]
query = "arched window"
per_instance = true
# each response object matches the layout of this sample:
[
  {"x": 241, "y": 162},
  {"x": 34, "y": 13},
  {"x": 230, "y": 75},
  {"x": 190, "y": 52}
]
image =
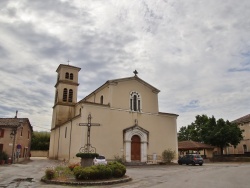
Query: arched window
[
  {"x": 101, "y": 99},
  {"x": 67, "y": 75},
  {"x": 71, "y": 76},
  {"x": 70, "y": 95},
  {"x": 65, "y": 94},
  {"x": 135, "y": 101}
]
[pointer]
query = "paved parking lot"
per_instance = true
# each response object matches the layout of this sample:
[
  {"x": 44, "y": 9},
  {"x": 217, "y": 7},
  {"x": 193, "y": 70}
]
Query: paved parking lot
[{"x": 217, "y": 175}]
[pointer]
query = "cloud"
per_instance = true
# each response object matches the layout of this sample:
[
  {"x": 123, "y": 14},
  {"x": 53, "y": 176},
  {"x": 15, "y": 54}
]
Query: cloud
[{"x": 195, "y": 52}]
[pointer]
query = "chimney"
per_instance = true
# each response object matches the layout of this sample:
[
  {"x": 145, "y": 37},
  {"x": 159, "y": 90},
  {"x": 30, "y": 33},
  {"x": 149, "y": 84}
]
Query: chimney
[{"x": 16, "y": 114}]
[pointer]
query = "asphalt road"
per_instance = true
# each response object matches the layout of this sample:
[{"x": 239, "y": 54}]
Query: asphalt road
[{"x": 216, "y": 175}]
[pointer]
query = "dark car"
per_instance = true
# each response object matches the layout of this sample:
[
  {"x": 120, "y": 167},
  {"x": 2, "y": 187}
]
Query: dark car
[{"x": 191, "y": 159}]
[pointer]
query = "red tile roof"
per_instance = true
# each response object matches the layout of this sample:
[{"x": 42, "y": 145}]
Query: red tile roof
[
  {"x": 13, "y": 122},
  {"x": 191, "y": 145},
  {"x": 244, "y": 119}
]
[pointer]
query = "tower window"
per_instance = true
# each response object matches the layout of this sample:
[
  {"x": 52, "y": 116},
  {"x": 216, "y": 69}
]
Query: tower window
[
  {"x": 65, "y": 95},
  {"x": 71, "y": 76},
  {"x": 65, "y": 132},
  {"x": 67, "y": 75},
  {"x": 70, "y": 95},
  {"x": 135, "y": 101},
  {"x": 101, "y": 99}
]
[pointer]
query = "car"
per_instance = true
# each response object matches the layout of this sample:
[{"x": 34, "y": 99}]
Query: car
[
  {"x": 99, "y": 160},
  {"x": 191, "y": 159}
]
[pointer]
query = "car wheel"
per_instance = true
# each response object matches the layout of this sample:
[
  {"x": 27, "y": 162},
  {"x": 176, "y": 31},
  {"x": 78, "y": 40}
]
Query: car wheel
[
  {"x": 201, "y": 164},
  {"x": 179, "y": 163},
  {"x": 187, "y": 164}
]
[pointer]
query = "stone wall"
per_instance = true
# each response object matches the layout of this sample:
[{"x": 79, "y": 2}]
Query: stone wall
[{"x": 39, "y": 153}]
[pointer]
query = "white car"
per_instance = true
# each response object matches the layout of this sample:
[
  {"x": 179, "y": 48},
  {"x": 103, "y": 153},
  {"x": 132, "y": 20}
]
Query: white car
[{"x": 99, "y": 160}]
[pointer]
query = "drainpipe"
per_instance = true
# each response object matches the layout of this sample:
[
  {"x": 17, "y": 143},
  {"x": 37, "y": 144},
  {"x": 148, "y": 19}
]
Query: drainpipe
[
  {"x": 70, "y": 138},
  {"x": 58, "y": 143}
]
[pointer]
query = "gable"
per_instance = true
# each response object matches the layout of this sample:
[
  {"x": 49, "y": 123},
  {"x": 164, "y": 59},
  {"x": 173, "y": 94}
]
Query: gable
[{"x": 117, "y": 94}]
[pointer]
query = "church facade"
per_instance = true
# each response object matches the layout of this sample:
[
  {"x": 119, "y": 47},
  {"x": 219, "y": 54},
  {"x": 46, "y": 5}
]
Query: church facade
[{"x": 120, "y": 118}]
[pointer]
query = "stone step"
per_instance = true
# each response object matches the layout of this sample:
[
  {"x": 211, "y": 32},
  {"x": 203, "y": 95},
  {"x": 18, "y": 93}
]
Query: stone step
[{"x": 135, "y": 163}]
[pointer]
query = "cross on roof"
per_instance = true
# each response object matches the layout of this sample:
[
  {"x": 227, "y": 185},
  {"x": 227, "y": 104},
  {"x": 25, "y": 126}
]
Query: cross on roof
[
  {"x": 135, "y": 72},
  {"x": 68, "y": 62},
  {"x": 87, "y": 147}
]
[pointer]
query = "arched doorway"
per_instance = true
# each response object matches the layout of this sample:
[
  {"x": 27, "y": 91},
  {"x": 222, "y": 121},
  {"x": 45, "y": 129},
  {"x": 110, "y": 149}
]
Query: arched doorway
[{"x": 136, "y": 148}]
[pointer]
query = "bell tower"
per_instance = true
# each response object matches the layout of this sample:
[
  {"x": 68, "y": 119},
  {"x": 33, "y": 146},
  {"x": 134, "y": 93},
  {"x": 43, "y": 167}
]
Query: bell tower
[{"x": 65, "y": 94}]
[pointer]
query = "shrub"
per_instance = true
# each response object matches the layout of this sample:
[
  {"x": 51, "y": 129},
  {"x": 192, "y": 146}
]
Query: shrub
[
  {"x": 3, "y": 156},
  {"x": 50, "y": 173},
  {"x": 63, "y": 172},
  {"x": 93, "y": 172},
  {"x": 104, "y": 172},
  {"x": 168, "y": 155},
  {"x": 118, "y": 169},
  {"x": 78, "y": 172},
  {"x": 87, "y": 155},
  {"x": 71, "y": 166},
  {"x": 119, "y": 159}
]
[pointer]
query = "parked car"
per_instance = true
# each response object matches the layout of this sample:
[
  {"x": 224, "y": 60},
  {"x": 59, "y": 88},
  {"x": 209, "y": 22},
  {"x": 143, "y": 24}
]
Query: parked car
[
  {"x": 191, "y": 159},
  {"x": 99, "y": 160}
]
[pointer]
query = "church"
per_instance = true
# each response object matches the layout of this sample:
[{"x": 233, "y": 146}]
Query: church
[{"x": 120, "y": 118}]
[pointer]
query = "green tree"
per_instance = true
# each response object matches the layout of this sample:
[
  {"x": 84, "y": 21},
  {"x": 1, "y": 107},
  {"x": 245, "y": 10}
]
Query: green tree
[
  {"x": 194, "y": 130},
  {"x": 218, "y": 133},
  {"x": 40, "y": 141}
]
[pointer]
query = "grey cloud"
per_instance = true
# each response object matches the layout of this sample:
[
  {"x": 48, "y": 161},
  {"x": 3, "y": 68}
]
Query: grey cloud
[{"x": 3, "y": 52}]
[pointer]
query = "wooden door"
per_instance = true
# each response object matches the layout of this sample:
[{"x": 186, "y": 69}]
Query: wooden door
[{"x": 136, "y": 148}]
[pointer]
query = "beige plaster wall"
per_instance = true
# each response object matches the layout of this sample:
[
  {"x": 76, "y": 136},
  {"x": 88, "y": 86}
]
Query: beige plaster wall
[
  {"x": 39, "y": 153},
  {"x": 108, "y": 137},
  {"x": 118, "y": 96}
]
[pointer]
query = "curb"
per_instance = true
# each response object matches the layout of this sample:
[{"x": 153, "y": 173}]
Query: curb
[{"x": 87, "y": 183}]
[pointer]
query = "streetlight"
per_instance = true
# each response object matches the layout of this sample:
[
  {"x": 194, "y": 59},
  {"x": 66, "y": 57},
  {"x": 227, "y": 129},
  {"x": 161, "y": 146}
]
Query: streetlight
[{"x": 13, "y": 134}]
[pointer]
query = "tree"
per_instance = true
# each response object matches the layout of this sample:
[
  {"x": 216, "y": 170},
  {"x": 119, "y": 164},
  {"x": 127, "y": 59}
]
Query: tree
[
  {"x": 218, "y": 133},
  {"x": 193, "y": 131},
  {"x": 40, "y": 141}
]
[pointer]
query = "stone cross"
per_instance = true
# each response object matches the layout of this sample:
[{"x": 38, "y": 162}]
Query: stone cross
[
  {"x": 135, "y": 72},
  {"x": 87, "y": 147}
]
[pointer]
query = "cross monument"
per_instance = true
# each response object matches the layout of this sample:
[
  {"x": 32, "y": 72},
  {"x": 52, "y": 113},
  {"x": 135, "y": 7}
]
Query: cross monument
[{"x": 88, "y": 148}]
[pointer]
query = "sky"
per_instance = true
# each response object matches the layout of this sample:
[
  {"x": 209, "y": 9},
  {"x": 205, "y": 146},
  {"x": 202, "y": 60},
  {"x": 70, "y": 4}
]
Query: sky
[{"x": 196, "y": 52}]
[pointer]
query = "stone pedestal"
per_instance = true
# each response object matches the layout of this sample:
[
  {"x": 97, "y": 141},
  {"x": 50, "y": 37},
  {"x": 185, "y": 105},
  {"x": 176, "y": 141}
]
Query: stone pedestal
[{"x": 85, "y": 162}]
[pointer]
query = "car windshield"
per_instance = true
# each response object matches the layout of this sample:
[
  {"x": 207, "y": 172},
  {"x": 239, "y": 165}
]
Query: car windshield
[{"x": 100, "y": 157}]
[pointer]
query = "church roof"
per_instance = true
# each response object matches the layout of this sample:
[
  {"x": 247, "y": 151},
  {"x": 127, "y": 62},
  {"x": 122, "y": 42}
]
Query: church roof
[
  {"x": 109, "y": 82},
  {"x": 192, "y": 145},
  {"x": 242, "y": 120},
  {"x": 67, "y": 66}
]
